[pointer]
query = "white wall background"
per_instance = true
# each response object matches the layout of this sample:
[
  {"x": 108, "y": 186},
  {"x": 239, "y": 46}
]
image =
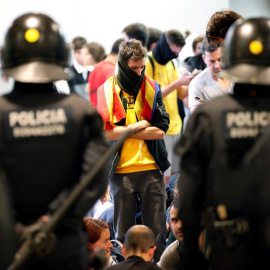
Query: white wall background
[
  {"x": 104, "y": 20},
  {"x": 252, "y": 8}
]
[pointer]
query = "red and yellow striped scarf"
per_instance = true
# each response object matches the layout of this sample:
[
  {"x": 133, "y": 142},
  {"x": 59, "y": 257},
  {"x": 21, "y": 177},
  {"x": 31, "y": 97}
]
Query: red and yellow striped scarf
[{"x": 111, "y": 108}]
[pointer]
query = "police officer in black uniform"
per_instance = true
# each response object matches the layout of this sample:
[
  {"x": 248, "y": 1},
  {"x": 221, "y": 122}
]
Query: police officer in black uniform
[
  {"x": 218, "y": 136},
  {"x": 257, "y": 202},
  {"x": 7, "y": 235},
  {"x": 48, "y": 141}
]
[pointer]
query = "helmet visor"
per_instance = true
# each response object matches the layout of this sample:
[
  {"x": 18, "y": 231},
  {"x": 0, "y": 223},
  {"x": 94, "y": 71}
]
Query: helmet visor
[{"x": 38, "y": 72}]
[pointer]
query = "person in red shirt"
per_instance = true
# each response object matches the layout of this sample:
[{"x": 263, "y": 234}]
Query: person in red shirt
[{"x": 102, "y": 71}]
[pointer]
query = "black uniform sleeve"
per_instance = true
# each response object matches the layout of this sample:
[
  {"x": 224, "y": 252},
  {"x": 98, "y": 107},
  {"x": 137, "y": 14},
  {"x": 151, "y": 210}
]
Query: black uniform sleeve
[
  {"x": 195, "y": 150},
  {"x": 94, "y": 146},
  {"x": 161, "y": 118}
]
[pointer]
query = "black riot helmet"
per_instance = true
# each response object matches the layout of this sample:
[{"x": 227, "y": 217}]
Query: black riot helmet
[
  {"x": 34, "y": 50},
  {"x": 246, "y": 51}
]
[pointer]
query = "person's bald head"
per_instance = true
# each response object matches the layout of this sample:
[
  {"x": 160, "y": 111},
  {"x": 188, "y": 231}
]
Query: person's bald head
[{"x": 139, "y": 238}]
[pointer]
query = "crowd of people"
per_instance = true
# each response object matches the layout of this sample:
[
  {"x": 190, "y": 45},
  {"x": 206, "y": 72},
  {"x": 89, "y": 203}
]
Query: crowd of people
[{"x": 175, "y": 194}]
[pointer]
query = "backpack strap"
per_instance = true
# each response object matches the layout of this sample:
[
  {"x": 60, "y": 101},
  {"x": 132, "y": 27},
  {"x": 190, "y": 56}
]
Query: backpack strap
[
  {"x": 173, "y": 64},
  {"x": 152, "y": 64}
]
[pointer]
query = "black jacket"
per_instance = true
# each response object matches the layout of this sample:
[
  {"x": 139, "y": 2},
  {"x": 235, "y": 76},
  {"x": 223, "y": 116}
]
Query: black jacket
[
  {"x": 134, "y": 263},
  {"x": 195, "y": 62},
  {"x": 76, "y": 79},
  {"x": 157, "y": 148}
]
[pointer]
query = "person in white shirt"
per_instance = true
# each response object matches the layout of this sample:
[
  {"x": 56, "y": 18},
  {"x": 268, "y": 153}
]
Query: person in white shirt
[{"x": 208, "y": 84}]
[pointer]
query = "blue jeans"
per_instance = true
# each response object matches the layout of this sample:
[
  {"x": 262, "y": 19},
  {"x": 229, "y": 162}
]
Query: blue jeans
[{"x": 150, "y": 187}]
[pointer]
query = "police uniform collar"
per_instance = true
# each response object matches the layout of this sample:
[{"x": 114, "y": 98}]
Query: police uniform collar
[
  {"x": 20, "y": 87},
  {"x": 251, "y": 91}
]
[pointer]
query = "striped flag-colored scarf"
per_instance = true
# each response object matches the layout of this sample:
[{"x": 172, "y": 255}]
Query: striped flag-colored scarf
[{"x": 111, "y": 108}]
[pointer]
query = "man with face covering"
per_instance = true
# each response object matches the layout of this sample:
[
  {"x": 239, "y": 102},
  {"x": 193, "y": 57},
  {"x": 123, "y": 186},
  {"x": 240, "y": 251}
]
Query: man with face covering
[
  {"x": 160, "y": 67},
  {"x": 130, "y": 100}
]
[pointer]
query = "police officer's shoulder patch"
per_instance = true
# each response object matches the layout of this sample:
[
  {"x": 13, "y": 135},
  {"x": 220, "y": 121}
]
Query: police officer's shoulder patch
[
  {"x": 244, "y": 124},
  {"x": 38, "y": 122}
]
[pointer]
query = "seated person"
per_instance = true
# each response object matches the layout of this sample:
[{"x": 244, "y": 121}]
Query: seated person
[
  {"x": 170, "y": 258},
  {"x": 170, "y": 189},
  {"x": 139, "y": 247},
  {"x": 172, "y": 195},
  {"x": 107, "y": 216},
  {"x": 99, "y": 238},
  {"x": 101, "y": 205}
]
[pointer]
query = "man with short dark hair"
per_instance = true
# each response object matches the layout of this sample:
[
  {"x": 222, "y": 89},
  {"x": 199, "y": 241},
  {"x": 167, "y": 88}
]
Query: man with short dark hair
[
  {"x": 196, "y": 61},
  {"x": 208, "y": 84},
  {"x": 154, "y": 35},
  {"x": 102, "y": 71},
  {"x": 77, "y": 43},
  {"x": 137, "y": 31},
  {"x": 80, "y": 73},
  {"x": 170, "y": 258},
  {"x": 138, "y": 249},
  {"x": 197, "y": 45}
]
